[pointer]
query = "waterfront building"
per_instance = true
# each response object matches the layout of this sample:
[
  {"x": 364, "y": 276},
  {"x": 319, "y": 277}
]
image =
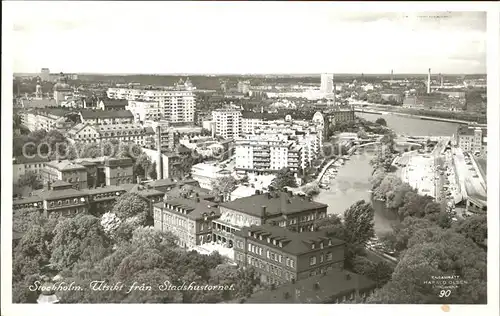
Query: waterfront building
[
  {"x": 278, "y": 208},
  {"x": 190, "y": 220},
  {"x": 22, "y": 165},
  {"x": 175, "y": 104},
  {"x": 334, "y": 286},
  {"x": 227, "y": 122},
  {"x": 472, "y": 139},
  {"x": 205, "y": 174},
  {"x": 262, "y": 154},
  {"x": 110, "y": 117},
  {"x": 89, "y": 172},
  {"x": 110, "y": 104},
  {"x": 280, "y": 256}
]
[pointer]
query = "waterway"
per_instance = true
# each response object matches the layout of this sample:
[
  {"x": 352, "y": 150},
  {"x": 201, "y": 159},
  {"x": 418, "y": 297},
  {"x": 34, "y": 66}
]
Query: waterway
[
  {"x": 350, "y": 185},
  {"x": 413, "y": 126},
  {"x": 352, "y": 182}
]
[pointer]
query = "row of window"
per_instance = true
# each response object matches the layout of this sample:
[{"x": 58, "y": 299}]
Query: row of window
[
  {"x": 313, "y": 261},
  {"x": 67, "y": 202},
  {"x": 275, "y": 270},
  {"x": 269, "y": 254}
]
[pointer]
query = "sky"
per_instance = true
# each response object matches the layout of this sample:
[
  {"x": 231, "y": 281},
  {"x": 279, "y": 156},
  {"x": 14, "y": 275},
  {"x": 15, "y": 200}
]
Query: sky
[{"x": 253, "y": 37}]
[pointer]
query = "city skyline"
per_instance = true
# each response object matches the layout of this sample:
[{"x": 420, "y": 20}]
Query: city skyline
[{"x": 447, "y": 42}]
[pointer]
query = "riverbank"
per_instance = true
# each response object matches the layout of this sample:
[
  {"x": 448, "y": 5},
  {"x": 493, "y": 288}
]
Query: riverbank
[{"x": 428, "y": 115}]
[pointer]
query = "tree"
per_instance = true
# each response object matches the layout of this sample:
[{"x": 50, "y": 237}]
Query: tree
[
  {"x": 311, "y": 189},
  {"x": 110, "y": 223},
  {"x": 129, "y": 205},
  {"x": 150, "y": 237},
  {"x": 23, "y": 219},
  {"x": 414, "y": 205},
  {"x": 395, "y": 197},
  {"x": 379, "y": 272},
  {"x": 142, "y": 165},
  {"x": 401, "y": 232},
  {"x": 381, "y": 121},
  {"x": 358, "y": 223},
  {"x": 284, "y": 178},
  {"x": 153, "y": 174},
  {"x": 388, "y": 184},
  {"x": 243, "y": 281},
  {"x": 383, "y": 160},
  {"x": 31, "y": 180},
  {"x": 362, "y": 134},
  {"x": 474, "y": 227},
  {"x": 224, "y": 186},
  {"x": 32, "y": 252},
  {"x": 80, "y": 238},
  {"x": 377, "y": 178}
]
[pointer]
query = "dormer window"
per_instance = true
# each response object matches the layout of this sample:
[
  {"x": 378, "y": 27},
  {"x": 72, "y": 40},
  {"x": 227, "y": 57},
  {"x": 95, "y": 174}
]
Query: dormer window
[
  {"x": 274, "y": 242},
  {"x": 250, "y": 233},
  {"x": 281, "y": 244},
  {"x": 260, "y": 237},
  {"x": 321, "y": 245},
  {"x": 59, "y": 202},
  {"x": 268, "y": 240},
  {"x": 313, "y": 246},
  {"x": 329, "y": 242}
]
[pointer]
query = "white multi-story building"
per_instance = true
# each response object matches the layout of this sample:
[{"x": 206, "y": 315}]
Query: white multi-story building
[
  {"x": 227, "y": 122},
  {"x": 261, "y": 154},
  {"x": 206, "y": 173},
  {"x": 472, "y": 138},
  {"x": 326, "y": 83},
  {"x": 145, "y": 110},
  {"x": 175, "y": 104}
]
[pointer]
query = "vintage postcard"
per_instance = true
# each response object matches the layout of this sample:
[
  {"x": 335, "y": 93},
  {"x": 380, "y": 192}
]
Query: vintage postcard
[{"x": 250, "y": 153}]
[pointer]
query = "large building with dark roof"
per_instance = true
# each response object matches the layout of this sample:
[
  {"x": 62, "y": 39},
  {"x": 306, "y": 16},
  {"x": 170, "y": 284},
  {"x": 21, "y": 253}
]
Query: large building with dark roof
[
  {"x": 190, "y": 219},
  {"x": 335, "y": 286},
  {"x": 111, "y": 104},
  {"x": 282, "y": 209},
  {"x": 279, "y": 255}
]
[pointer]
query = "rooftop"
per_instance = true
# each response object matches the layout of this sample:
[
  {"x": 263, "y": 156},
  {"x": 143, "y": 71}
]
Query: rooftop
[
  {"x": 291, "y": 242},
  {"x": 64, "y": 165},
  {"x": 94, "y": 114},
  {"x": 317, "y": 289},
  {"x": 114, "y": 102},
  {"x": 276, "y": 203},
  {"x": 44, "y": 103},
  {"x": 193, "y": 208}
]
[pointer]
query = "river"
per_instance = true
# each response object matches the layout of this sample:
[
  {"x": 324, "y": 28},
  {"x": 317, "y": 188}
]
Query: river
[
  {"x": 352, "y": 181},
  {"x": 413, "y": 126}
]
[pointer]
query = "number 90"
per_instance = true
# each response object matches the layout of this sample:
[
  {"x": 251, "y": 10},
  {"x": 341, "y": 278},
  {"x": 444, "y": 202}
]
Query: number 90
[{"x": 444, "y": 293}]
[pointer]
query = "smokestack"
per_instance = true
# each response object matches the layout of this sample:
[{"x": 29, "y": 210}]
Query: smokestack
[
  {"x": 263, "y": 213},
  {"x": 158, "y": 148},
  {"x": 442, "y": 80},
  {"x": 429, "y": 82},
  {"x": 392, "y": 75}
]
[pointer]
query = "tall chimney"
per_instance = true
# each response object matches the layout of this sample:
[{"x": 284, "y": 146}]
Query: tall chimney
[
  {"x": 429, "y": 82},
  {"x": 160, "y": 156},
  {"x": 442, "y": 80},
  {"x": 392, "y": 75},
  {"x": 263, "y": 213}
]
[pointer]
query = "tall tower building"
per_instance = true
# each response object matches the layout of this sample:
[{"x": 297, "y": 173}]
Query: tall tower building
[
  {"x": 326, "y": 83},
  {"x": 38, "y": 91},
  {"x": 392, "y": 76},
  {"x": 45, "y": 74}
]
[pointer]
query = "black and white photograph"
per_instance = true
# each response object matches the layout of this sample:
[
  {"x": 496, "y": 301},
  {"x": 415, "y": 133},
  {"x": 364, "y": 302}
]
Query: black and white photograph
[{"x": 249, "y": 153}]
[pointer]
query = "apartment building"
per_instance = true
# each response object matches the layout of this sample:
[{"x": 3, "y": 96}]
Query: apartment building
[
  {"x": 188, "y": 219},
  {"x": 63, "y": 199},
  {"x": 262, "y": 154},
  {"x": 282, "y": 209},
  {"x": 123, "y": 133},
  {"x": 110, "y": 117},
  {"x": 89, "y": 172},
  {"x": 46, "y": 119},
  {"x": 280, "y": 256},
  {"x": 227, "y": 122},
  {"x": 22, "y": 165},
  {"x": 472, "y": 138},
  {"x": 175, "y": 104},
  {"x": 145, "y": 110}
]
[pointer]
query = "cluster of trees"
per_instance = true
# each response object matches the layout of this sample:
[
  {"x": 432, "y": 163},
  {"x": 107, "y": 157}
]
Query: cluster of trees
[
  {"x": 52, "y": 142},
  {"x": 375, "y": 97},
  {"x": 118, "y": 248},
  {"x": 429, "y": 244},
  {"x": 356, "y": 229},
  {"x": 284, "y": 178}
]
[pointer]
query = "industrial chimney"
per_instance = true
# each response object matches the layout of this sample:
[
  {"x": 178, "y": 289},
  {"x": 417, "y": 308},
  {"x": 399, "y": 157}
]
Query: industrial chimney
[
  {"x": 392, "y": 76},
  {"x": 429, "y": 82},
  {"x": 442, "y": 80},
  {"x": 158, "y": 148}
]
